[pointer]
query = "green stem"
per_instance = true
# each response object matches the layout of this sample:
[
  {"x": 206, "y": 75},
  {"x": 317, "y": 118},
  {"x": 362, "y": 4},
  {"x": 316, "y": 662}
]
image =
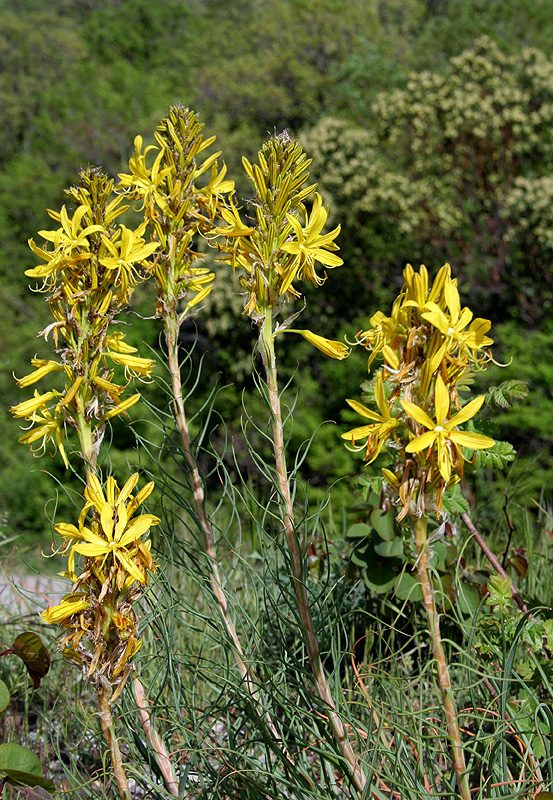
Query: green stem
[
  {"x": 448, "y": 700},
  {"x": 88, "y": 451},
  {"x": 266, "y": 347}
]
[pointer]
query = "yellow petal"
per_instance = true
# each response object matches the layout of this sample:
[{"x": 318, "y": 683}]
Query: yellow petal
[
  {"x": 364, "y": 411},
  {"x": 421, "y": 442},
  {"x": 418, "y": 414},
  {"x": 327, "y": 346},
  {"x": 473, "y": 441},
  {"x": 441, "y": 399},
  {"x": 466, "y": 412},
  {"x": 358, "y": 433}
]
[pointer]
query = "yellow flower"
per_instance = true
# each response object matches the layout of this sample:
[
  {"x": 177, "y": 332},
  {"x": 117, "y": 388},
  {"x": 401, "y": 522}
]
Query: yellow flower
[
  {"x": 124, "y": 254},
  {"x": 454, "y": 326},
  {"x": 112, "y": 535},
  {"x": 29, "y": 407},
  {"x": 49, "y": 427},
  {"x": 443, "y": 432},
  {"x": 144, "y": 183},
  {"x": 43, "y": 368},
  {"x": 309, "y": 246},
  {"x": 121, "y": 406},
  {"x": 70, "y": 604},
  {"x": 71, "y": 244},
  {"x": 382, "y": 427},
  {"x": 329, "y": 347},
  {"x": 135, "y": 365},
  {"x": 115, "y": 341}
]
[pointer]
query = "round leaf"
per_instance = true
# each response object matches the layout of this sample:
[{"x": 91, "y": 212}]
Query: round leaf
[
  {"x": 468, "y": 599},
  {"x": 383, "y": 523},
  {"x": 30, "y": 649},
  {"x": 362, "y": 555},
  {"x": 4, "y": 696},
  {"x": 379, "y": 579},
  {"x": 390, "y": 549},
  {"x": 544, "y": 796},
  {"x": 407, "y": 587},
  {"x": 21, "y": 766},
  {"x": 359, "y": 530}
]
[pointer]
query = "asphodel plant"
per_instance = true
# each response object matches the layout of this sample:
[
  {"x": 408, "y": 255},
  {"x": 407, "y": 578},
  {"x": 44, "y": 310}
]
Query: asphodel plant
[
  {"x": 181, "y": 190},
  {"x": 280, "y": 246},
  {"x": 89, "y": 268},
  {"x": 427, "y": 350}
]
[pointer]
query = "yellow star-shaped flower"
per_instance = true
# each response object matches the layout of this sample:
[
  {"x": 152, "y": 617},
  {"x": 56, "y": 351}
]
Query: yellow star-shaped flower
[{"x": 443, "y": 433}]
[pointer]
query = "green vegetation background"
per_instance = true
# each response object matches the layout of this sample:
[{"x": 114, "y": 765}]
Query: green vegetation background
[{"x": 431, "y": 143}]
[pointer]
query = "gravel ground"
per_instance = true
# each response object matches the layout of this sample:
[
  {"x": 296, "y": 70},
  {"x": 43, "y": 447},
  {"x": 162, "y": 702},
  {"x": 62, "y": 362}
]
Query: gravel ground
[{"x": 28, "y": 595}]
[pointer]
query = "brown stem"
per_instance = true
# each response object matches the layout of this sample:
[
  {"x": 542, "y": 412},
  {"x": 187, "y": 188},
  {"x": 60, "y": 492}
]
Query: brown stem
[
  {"x": 172, "y": 328},
  {"x": 162, "y": 757},
  {"x": 106, "y": 721},
  {"x": 448, "y": 700},
  {"x": 312, "y": 646},
  {"x": 494, "y": 561}
]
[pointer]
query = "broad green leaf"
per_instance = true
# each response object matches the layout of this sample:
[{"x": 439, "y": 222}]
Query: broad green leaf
[
  {"x": 21, "y": 766},
  {"x": 390, "y": 549},
  {"x": 468, "y": 599},
  {"x": 383, "y": 523},
  {"x": 4, "y": 696},
  {"x": 454, "y": 502},
  {"x": 360, "y": 530},
  {"x": 30, "y": 649},
  {"x": 408, "y": 587},
  {"x": 499, "y": 592},
  {"x": 378, "y": 576},
  {"x": 544, "y": 796},
  {"x": 362, "y": 555},
  {"x": 505, "y": 395}
]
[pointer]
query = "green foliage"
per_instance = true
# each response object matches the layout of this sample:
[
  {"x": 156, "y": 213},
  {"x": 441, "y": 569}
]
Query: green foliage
[
  {"x": 448, "y": 164},
  {"x": 499, "y": 593},
  {"x": 496, "y": 457},
  {"x": 4, "y": 696},
  {"x": 21, "y": 767},
  {"x": 18, "y": 765},
  {"x": 431, "y": 175},
  {"x": 507, "y": 393}
]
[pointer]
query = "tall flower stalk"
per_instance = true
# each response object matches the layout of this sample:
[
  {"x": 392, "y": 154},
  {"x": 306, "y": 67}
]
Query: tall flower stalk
[
  {"x": 429, "y": 347},
  {"x": 179, "y": 207},
  {"x": 90, "y": 267},
  {"x": 282, "y": 244}
]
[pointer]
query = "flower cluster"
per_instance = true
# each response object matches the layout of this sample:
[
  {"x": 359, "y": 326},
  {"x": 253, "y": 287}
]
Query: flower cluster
[
  {"x": 98, "y": 614},
  {"x": 175, "y": 207},
  {"x": 285, "y": 241},
  {"x": 429, "y": 347},
  {"x": 88, "y": 273}
]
